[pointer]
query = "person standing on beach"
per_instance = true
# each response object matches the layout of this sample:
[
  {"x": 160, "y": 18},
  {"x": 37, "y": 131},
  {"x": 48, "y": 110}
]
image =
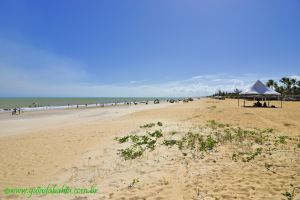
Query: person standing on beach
[{"x": 14, "y": 112}]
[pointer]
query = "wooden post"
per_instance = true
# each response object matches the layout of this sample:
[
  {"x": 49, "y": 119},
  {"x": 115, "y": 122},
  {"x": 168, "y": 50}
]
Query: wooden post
[
  {"x": 238, "y": 102},
  {"x": 244, "y": 102},
  {"x": 281, "y": 102}
]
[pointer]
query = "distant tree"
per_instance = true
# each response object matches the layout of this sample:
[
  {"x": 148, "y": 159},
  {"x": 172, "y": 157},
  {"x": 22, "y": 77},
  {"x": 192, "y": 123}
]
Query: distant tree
[
  {"x": 293, "y": 81},
  {"x": 286, "y": 85},
  {"x": 298, "y": 87},
  {"x": 293, "y": 86},
  {"x": 237, "y": 91},
  {"x": 276, "y": 86},
  {"x": 271, "y": 83},
  {"x": 219, "y": 92}
]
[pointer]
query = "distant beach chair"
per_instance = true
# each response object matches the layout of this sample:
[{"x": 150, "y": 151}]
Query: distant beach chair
[{"x": 156, "y": 101}]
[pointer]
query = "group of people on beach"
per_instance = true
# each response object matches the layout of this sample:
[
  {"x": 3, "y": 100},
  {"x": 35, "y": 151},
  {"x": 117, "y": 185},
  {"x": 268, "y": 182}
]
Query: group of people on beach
[
  {"x": 259, "y": 104},
  {"x": 17, "y": 111},
  {"x": 14, "y": 112}
]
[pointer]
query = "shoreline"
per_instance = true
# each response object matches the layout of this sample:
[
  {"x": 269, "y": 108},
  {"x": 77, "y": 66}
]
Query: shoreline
[
  {"x": 30, "y": 120},
  {"x": 47, "y": 103},
  {"x": 75, "y": 106}
]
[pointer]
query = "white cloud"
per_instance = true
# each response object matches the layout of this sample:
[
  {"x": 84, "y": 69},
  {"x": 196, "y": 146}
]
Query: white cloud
[
  {"x": 19, "y": 83},
  {"x": 295, "y": 77},
  {"x": 28, "y": 71}
]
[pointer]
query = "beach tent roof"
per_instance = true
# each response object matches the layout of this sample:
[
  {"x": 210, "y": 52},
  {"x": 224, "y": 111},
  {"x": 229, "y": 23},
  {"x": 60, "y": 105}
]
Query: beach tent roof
[{"x": 259, "y": 89}]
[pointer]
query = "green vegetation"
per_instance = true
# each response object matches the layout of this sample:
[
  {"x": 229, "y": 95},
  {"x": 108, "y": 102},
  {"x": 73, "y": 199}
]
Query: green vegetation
[
  {"x": 292, "y": 194},
  {"x": 139, "y": 144},
  {"x": 246, "y": 156},
  {"x": 159, "y": 123},
  {"x": 245, "y": 145},
  {"x": 288, "y": 195},
  {"x": 134, "y": 181},
  {"x": 250, "y": 142},
  {"x": 170, "y": 142},
  {"x": 148, "y": 125},
  {"x": 122, "y": 139},
  {"x": 286, "y": 86},
  {"x": 157, "y": 134},
  {"x": 173, "y": 132},
  {"x": 193, "y": 141},
  {"x": 197, "y": 142},
  {"x": 132, "y": 152},
  {"x": 214, "y": 125},
  {"x": 281, "y": 140}
]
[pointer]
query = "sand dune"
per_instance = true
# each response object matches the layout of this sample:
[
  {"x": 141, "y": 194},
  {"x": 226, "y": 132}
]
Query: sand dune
[{"x": 77, "y": 148}]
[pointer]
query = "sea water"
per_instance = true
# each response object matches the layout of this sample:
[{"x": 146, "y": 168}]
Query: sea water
[{"x": 38, "y": 103}]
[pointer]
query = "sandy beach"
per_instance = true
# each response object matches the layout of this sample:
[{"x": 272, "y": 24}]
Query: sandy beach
[{"x": 78, "y": 148}]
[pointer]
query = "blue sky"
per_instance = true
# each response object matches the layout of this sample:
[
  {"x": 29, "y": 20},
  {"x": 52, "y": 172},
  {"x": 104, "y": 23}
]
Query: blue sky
[{"x": 143, "y": 47}]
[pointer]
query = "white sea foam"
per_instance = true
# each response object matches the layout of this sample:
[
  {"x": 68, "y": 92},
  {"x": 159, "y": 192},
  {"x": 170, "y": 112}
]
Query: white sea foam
[{"x": 26, "y": 109}]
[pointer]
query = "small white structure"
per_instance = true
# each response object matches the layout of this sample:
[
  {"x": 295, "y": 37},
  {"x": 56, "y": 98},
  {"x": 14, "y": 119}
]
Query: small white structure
[{"x": 260, "y": 91}]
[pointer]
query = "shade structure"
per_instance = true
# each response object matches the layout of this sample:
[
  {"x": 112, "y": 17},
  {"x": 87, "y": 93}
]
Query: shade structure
[{"x": 260, "y": 89}]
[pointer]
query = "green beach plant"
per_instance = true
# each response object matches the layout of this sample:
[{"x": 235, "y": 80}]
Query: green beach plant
[
  {"x": 170, "y": 142},
  {"x": 246, "y": 156},
  {"x": 139, "y": 144},
  {"x": 253, "y": 141},
  {"x": 148, "y": 125},
  {"x": 131, "y": 152},
  {"x": 156, "y": 133},
  {"x": 290, "y": 195},
  {"x": 281, "y": 140},
  {"x": 122, "y": 139}
]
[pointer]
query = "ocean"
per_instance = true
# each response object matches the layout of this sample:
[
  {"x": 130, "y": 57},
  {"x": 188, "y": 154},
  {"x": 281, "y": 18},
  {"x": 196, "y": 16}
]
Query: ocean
[{"x": 31, "y": 103}]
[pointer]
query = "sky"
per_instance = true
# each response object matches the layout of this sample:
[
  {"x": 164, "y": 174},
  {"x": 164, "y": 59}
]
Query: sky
[{"x": 139, "y": 48}]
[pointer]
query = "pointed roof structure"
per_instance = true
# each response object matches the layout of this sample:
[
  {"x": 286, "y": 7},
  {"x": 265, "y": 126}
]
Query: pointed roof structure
[{"x": 260, "y": 89}]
